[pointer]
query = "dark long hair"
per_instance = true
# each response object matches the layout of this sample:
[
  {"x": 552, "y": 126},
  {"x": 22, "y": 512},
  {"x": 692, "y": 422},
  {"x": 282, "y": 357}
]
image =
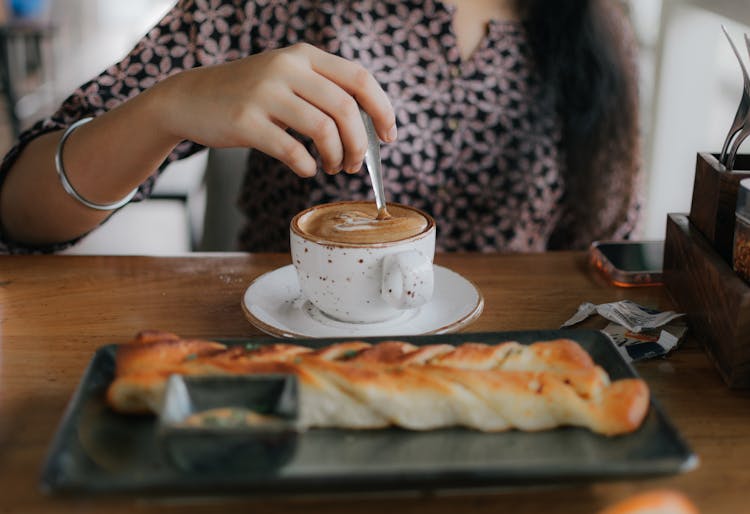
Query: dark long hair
[{"x": 584, "y": 51}]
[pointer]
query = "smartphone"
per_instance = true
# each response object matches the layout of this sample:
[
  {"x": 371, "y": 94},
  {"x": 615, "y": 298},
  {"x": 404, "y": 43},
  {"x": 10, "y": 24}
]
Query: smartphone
[{"x": 629, "y": 263}]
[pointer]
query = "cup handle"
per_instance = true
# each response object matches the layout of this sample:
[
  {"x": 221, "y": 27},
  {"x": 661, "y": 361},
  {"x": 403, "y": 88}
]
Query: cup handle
[{"x": 407, "y": 280}]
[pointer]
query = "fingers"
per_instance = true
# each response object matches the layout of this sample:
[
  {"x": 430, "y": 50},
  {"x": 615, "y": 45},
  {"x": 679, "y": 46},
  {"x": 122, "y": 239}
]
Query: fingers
[
  {"x": 303, "y": 88},
  {"x": 342, "y": 109},
  {"x": 296, "y": 113},
  {"x": 360, "y": 84},
  {"x": 277, "y": 143}
]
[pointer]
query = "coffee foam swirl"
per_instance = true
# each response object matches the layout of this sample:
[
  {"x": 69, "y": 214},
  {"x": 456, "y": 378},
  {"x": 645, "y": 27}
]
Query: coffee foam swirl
[{"x": 357, "y": 223}]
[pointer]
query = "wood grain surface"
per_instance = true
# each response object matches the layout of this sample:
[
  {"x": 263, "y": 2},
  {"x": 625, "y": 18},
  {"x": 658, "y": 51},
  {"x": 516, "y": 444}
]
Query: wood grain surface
[
  {"x": 716, "y": 299},
  {"x": 56, "y": 310},
  {"x": 715, "y": 198}
]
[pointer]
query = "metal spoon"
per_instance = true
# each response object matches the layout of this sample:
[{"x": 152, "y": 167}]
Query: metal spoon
[{"x": 374, "y": 166}]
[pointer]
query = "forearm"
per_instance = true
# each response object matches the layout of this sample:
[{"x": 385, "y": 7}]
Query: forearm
[
  {"x": 104, "y": 160},
  {"x": 248, "y": 103}
]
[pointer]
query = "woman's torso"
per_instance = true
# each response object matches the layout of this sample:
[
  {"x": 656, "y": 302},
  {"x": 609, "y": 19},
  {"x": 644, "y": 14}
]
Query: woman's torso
[{"x": 479, "y": 140}]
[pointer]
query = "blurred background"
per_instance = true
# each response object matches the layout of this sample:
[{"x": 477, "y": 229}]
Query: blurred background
[{"x": 689, "y": 90}]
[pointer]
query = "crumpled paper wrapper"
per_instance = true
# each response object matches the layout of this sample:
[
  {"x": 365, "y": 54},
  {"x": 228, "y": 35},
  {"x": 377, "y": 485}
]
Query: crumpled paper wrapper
[{"x": 638, "y": 332}]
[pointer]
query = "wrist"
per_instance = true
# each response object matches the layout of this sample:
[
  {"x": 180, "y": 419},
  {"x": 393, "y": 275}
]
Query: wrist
[
  {"x": 70, "y": 189},
  {"x": 161, "y": 104}
]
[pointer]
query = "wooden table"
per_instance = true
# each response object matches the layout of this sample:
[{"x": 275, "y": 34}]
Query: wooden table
[{"x": 56, "y": 310}]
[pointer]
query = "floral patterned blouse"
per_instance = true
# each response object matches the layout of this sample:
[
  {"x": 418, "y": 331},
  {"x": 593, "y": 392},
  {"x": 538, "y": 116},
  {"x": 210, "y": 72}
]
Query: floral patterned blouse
[{"x": 479, "y": 143}]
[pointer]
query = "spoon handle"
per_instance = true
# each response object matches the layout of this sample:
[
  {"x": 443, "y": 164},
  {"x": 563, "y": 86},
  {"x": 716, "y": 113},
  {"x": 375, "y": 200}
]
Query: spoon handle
[{"x": 374, "y": 167}]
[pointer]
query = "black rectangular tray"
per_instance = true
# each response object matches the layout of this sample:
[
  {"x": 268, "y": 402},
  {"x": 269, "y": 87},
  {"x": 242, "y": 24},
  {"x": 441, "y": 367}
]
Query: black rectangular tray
[{"x": 96, "y": 450}]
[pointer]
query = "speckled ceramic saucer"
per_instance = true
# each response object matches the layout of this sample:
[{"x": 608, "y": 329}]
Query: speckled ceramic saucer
[{"x": 274, "y": 303}]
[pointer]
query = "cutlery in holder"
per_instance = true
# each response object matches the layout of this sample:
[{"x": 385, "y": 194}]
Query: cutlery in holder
[{"x": 698, "y": 268}]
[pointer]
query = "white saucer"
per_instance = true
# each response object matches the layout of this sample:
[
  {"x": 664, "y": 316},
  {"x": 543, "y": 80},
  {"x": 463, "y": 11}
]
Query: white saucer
[{"x": 274, "y": 303}]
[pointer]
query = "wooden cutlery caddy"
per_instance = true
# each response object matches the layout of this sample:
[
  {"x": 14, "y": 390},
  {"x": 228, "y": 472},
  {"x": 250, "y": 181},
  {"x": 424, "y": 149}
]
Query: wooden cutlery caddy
[{"x": 698, "y": 268}]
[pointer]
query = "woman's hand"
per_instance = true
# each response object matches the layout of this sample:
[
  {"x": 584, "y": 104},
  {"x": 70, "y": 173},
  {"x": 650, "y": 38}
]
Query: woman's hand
[{"x": 251, "y": 102}]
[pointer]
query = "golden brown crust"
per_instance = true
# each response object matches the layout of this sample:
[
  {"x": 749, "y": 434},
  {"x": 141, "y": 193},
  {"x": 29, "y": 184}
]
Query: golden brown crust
[
  {"x": 342, "y": 351},
  {"x": 477, "y": 355},
  {"x": 654, "y": 502},
  {"x": 356, "y": 384},
  {"x": 624, "y": 405},
  {"x": 151, "y": 336},
  {"x": 153, "y": 349},
  {"x": 386, "y": 352}
]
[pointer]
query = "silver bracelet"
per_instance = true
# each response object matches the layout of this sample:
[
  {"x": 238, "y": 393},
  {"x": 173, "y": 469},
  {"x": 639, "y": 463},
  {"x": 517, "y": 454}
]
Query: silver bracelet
[{"x": 69, "y": 187}]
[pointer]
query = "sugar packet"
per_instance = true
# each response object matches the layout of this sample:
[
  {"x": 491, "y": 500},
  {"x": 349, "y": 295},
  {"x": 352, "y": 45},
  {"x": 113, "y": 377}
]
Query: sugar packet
[{"x": 646, "y": 344}]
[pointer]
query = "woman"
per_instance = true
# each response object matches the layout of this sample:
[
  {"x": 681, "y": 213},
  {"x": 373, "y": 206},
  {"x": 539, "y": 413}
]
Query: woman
[{"x": 516, "y": 120}]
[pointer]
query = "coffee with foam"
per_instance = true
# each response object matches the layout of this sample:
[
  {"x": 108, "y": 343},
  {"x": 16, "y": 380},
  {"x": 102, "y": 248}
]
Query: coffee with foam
[{"x": 357, "y": 223}]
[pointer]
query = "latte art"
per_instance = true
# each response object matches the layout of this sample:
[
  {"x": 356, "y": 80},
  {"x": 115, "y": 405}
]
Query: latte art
[
  {"x": 355, "y": 220},
  {"x": 357, "y": 223}
]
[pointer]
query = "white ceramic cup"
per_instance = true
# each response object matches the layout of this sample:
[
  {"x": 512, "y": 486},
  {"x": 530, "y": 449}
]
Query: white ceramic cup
[{"x": 364, "y": 282}]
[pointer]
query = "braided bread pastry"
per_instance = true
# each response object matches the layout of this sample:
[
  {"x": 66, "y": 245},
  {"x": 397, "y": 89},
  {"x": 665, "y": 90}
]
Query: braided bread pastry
[{"x": 359, "y": 385}]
